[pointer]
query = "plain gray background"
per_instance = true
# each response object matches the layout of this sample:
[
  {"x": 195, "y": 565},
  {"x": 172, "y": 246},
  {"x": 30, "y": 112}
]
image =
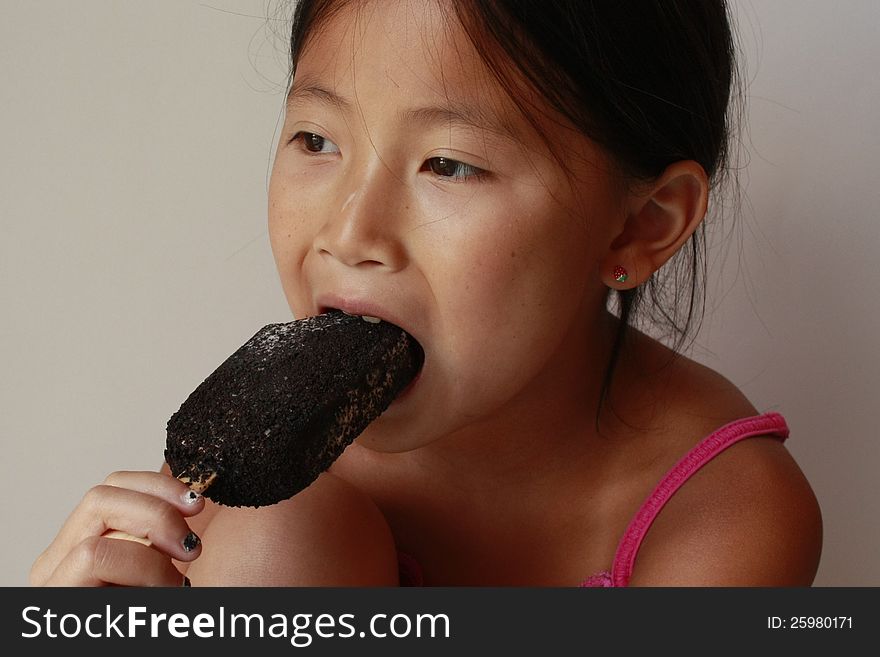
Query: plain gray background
[{"x": 136, "y": 143}]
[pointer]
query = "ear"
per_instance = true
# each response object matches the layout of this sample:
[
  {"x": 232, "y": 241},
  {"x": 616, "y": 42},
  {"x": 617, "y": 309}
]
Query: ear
[{"x": 659, "y": 220}]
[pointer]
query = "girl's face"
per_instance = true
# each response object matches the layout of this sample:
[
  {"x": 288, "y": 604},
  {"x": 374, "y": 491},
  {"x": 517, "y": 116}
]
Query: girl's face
[{"x": 407, "y": 185}]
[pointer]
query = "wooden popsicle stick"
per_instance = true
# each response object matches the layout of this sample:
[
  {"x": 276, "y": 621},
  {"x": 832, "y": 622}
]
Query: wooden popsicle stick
[
  {"x": 201, "y": 484},
  {"x": 115, "y": 533}
]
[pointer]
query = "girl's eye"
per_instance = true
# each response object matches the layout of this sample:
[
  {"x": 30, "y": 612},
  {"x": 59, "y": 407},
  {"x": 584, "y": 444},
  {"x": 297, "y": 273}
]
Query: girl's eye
[
  {"x": 315, "y": 143},
  {"x": 452, "y": 169}
]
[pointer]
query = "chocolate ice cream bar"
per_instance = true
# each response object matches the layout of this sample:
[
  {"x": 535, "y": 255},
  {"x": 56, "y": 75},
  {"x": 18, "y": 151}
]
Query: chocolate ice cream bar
[{"x": 282, "y": 408}]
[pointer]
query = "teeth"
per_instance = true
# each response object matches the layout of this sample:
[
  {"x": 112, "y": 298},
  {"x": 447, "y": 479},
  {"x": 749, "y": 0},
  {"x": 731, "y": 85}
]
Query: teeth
[{"x": 366, "y": 318}]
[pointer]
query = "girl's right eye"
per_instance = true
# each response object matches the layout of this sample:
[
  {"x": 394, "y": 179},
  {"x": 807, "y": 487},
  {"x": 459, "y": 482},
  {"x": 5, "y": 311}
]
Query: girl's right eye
[{"x": 315, "y": 143}]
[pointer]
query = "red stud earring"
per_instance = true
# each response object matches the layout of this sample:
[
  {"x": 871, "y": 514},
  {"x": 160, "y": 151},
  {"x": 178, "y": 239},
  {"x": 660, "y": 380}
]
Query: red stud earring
[{"x": 620, "y": 274}]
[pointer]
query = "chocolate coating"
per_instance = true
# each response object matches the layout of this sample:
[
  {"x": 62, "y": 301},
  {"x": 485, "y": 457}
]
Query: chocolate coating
[{"x": 286, "y": 404}]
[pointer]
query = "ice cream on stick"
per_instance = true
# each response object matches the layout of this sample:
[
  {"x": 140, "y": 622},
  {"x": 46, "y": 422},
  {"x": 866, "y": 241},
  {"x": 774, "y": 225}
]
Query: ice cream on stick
[{"x": 282, "y": 408}]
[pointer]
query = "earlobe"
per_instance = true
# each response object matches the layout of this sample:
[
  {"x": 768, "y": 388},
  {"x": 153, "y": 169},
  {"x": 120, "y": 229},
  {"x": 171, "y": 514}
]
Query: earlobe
[{"x": 660, "y": 218}]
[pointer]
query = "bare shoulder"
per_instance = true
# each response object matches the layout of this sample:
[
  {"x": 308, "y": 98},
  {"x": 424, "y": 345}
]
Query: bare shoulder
[
  {"x": 748, "y": 517},
  {"x": 330, "y": 534}
]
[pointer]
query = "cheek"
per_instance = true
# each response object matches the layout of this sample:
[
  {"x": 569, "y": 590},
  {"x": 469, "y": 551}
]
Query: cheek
[
  {"x": 509, "y": 297},
  {"x": 532, "y": 264},
  {"x": 289, "y": 236},
  {"x": 284, "y": 218}
]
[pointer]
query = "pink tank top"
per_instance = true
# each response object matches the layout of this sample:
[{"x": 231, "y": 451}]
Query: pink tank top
[{"x": 772, "y": 424}]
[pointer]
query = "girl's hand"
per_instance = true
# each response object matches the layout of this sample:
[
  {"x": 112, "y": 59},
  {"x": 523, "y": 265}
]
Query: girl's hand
[{"x": 149, "y": 508}]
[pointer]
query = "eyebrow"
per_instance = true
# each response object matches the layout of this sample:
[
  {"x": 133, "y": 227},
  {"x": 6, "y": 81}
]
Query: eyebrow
[
  {"x": 465, "y": 117},
  {"x": 305, "y": 90}
]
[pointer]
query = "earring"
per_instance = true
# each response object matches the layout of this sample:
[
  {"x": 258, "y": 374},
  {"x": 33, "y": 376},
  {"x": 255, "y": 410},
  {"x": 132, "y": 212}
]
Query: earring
[{"x": 620, "y": 274}]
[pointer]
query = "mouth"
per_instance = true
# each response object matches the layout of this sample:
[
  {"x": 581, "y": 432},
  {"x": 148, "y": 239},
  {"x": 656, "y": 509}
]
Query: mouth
[
  {"x": 374, "y": 315},
  {"x": 372, "y": 319},
  {"x": 370, "y": 311}
]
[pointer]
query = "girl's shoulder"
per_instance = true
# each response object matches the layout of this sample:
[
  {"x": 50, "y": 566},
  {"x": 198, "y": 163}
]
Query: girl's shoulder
[{"x": 747, "y": 516}]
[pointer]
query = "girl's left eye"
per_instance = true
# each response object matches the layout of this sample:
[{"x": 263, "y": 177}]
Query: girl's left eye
[
  {"x": 453, "y": 169},
  {"x": 315, "y": 143}
]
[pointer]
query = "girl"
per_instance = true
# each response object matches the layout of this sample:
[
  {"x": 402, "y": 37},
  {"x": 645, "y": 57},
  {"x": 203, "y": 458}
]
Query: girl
[{"x": 487, "y": 176}]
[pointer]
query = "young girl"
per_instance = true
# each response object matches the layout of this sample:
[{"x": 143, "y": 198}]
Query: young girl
[{"x": 488, "y": 176}]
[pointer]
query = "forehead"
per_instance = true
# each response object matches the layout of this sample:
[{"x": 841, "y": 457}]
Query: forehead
[
  {"x": 399, "y": 50},
  {"x": 393, "y": 34}
]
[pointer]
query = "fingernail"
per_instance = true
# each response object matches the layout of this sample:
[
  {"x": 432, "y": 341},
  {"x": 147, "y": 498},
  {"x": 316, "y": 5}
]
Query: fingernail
[
  {"x": 191, "y": 497},
  {"x": 186, "y": 582},
  {"x": 190, "y": 542}
]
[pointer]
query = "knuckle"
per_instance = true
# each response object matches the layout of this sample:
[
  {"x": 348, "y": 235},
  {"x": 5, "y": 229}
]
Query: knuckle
[
  {"x": 114, "y": 478},
  {"x": 95, "y": 497}
]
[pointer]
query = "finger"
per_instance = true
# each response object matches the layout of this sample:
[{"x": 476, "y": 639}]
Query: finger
[
  {"x": 138, "y": 514},
  {"x": 160, "y": 485},
  {"x": 149, "y": 518},
  {"x": 99, "y": 561},
  {"x": 88, "y": 520}
]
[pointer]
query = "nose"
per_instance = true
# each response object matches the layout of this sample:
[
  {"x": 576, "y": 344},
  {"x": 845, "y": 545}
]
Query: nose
[{"x": 362, "y": 228}]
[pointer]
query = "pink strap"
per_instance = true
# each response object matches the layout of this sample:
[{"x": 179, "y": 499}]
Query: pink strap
[{"x": 702, "y": 453}]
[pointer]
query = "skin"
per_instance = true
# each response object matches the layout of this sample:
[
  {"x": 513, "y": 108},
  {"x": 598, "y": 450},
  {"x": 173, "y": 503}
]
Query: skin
[{"x": 498, "y": 261}]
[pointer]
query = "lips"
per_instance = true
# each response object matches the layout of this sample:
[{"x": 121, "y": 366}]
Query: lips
[{"x": 364, "y": 308}]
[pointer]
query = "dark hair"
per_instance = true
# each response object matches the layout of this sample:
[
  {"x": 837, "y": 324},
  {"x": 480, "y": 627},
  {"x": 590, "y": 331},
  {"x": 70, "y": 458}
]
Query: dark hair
[{"x": 649, "y": 81}]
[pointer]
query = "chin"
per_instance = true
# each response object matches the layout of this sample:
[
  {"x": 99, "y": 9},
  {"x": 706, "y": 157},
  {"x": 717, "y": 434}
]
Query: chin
[{"x": 389, "y": 436}]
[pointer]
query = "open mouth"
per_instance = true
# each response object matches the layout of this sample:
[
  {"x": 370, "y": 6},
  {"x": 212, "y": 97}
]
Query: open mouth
[
  {"x": 367, "y": 318},
  {"x": 418, "y": 352}
]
